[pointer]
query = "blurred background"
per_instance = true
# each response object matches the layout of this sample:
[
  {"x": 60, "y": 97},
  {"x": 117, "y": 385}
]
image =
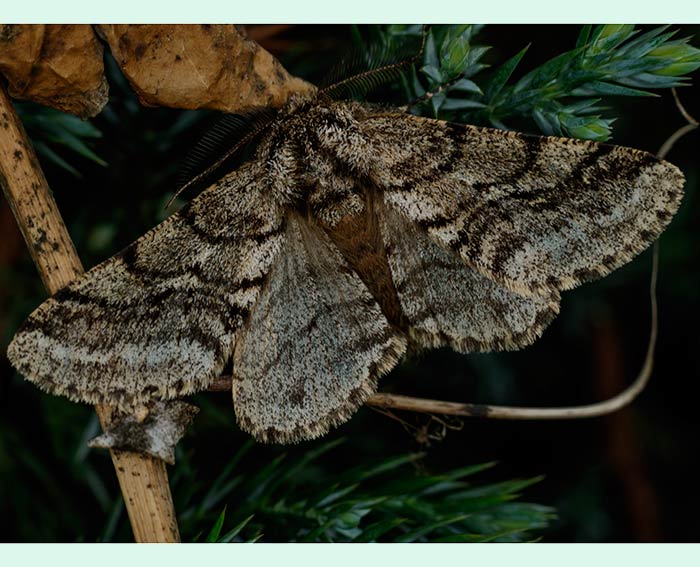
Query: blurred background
[{"x": 629, "y": 477}]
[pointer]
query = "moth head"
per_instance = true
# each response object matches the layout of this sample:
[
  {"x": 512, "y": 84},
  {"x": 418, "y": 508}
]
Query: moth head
[{"x": 299, "y": 102}]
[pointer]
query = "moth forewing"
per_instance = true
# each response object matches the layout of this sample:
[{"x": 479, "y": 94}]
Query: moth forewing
[{"x": 536, "y": 214}]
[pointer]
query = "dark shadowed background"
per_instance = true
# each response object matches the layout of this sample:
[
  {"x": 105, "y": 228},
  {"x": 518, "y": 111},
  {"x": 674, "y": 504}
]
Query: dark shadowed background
[{"x": 627, "y": 477}]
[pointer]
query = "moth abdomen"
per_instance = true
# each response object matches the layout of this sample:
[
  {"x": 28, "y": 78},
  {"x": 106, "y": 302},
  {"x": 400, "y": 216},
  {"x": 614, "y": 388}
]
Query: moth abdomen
[{"x": 358, "y": 238}]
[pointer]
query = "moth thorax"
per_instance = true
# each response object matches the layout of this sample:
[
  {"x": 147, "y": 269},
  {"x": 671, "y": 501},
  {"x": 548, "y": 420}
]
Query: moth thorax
[
  {"x": 298, "y": 102},
  {"x": 281, "y": 171}
]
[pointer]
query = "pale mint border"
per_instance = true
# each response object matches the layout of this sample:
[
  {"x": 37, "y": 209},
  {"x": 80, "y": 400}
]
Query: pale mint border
[
  {"x": 352, "y": 555},
  {"x": 350, "y": 11}
]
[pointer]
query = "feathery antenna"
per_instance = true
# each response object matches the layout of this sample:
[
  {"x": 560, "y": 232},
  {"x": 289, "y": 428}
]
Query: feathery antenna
[{"x": 383, "y": 67}]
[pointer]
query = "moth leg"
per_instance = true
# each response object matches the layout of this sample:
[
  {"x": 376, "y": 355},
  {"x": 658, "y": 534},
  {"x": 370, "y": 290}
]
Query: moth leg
[
  {"x": 447, "y": 303},
  {"x": 314, "y": 345}
]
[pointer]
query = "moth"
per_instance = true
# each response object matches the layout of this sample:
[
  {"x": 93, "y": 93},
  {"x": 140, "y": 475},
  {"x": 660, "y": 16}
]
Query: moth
[{"x": 354, "y": 232}]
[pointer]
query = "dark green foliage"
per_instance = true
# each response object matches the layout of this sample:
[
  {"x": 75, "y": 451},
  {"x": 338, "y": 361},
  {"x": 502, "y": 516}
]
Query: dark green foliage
[
  {"x": 56, "y": 133},
  {"x": 561, "y": 95},
  {"x": 294, "y": 500}
]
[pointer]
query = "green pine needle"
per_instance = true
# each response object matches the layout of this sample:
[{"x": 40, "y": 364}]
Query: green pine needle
[
  {"x": 59, "y": 137},
  {"x": 607, "y": 60},
  {"x": 387, "y": 501}
]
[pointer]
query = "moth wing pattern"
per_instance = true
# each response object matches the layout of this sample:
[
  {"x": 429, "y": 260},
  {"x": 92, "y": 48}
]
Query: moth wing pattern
[
  {"x": 159, "y": 319},
  {"x": 281, "y": 264},
  {"x": 447, "y": 303},
  {"x": 314, "y": 346},
  {"x": 536, "y": 214}
]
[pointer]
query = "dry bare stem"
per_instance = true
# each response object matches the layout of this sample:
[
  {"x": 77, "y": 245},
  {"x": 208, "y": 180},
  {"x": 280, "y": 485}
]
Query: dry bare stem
[{"x": 143, "y": 480}]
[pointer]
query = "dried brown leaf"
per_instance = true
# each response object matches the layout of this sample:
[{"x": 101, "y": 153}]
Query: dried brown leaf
[
  {"x": 199, "y": 66},
  {"x": 56, "y": 65}
]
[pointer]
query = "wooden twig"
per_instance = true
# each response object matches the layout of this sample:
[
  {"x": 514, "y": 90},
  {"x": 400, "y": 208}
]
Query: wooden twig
[
  {"x": 684, "y": 113},
  {"x": 691, "y": 124},
  {"x": 143, "y": 480}
]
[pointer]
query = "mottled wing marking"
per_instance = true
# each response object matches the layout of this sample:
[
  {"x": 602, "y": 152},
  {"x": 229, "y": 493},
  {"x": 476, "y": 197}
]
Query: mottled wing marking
[
  {"x": 447, "y": 303},
  {"x": 536, "y": 214},
  {"x": 332, "y": 181},
  {"x": 314, "y": 346},
  {"x": 482, "y": 227},
  {"x": 158, "y": 319}
]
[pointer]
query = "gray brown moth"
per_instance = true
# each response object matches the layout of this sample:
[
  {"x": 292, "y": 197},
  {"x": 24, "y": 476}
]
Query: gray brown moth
[{"x": 352, "y": 233}]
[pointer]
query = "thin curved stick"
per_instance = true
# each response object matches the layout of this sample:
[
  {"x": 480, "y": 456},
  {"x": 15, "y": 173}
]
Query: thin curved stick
[
  {"x": 689, "y": 118},
  {"x": 673, "y": 138},
  {"x": 691, "y": 125}
]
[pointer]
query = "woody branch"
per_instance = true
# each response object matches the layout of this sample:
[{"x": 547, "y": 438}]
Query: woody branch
[{"x": 143, "y": 480}]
